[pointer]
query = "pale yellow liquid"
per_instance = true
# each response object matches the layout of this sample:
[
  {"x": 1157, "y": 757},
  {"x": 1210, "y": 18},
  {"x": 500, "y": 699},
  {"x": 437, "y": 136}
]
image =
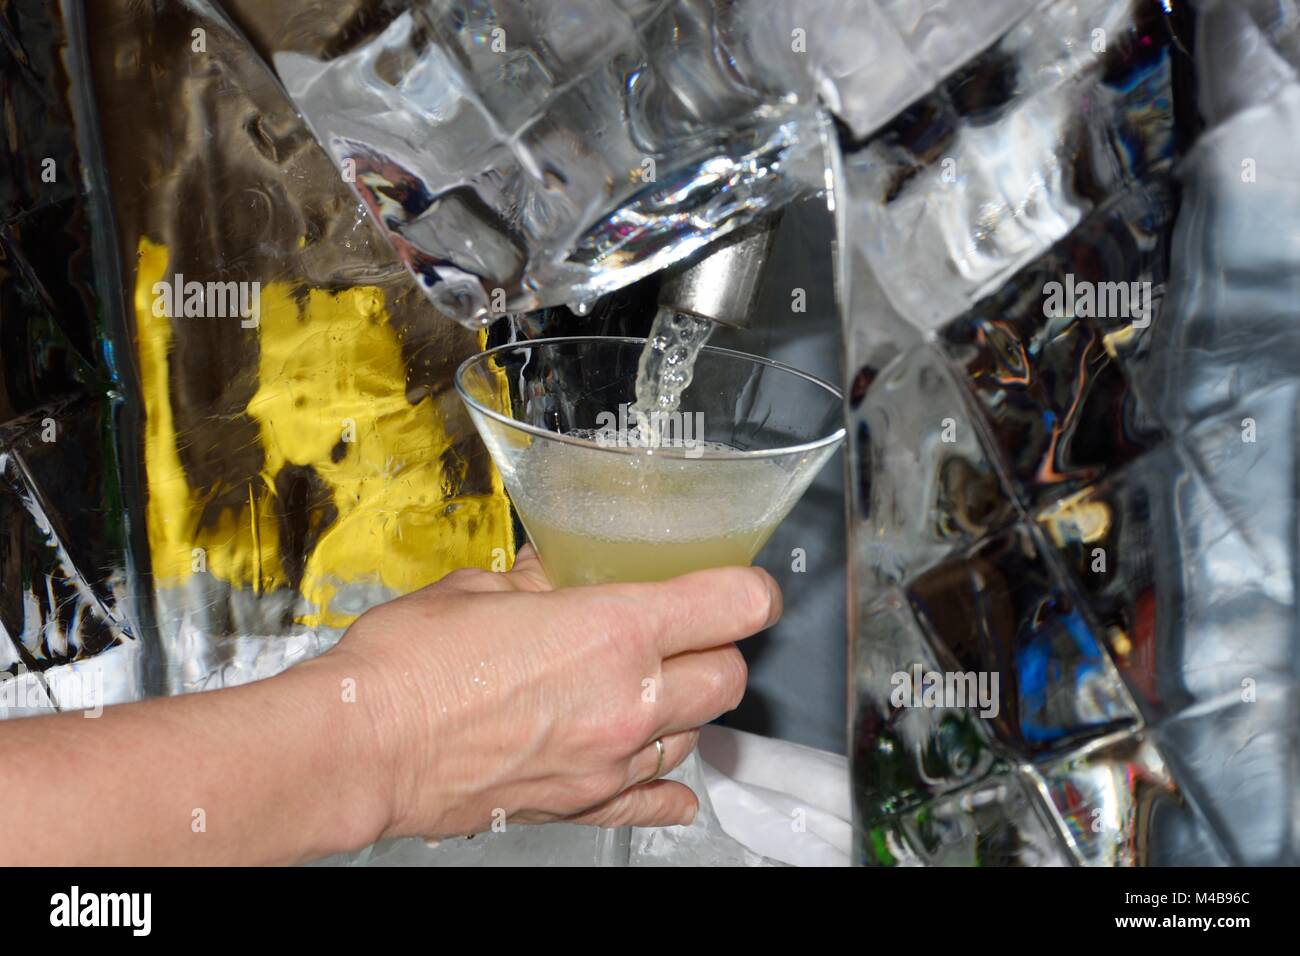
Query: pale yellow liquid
[
  {"x": 572, "y": 559},
  {"x": 596, "y": 516}
]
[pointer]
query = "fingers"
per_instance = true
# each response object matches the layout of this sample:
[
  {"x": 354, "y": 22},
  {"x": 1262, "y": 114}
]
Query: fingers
[
  {"x": 700, "y": 686},
  {"x": 660, "y": 803},
  {"x": 645, "y": 765},
  {"x": 528, "y": 573},
  {"x": 706, "y": 608}
]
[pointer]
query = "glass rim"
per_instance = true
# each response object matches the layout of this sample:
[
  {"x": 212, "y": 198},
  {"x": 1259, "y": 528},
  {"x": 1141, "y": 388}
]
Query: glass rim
[{"x": 685, "y": 453}]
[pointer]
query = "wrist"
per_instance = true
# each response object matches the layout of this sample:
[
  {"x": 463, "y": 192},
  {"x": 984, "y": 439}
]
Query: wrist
[{"x": 357, "y": 765}]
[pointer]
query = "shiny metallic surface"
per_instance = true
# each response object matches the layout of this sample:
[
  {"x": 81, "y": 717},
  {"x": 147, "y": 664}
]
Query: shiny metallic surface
[
  {"x": 723, "y": 285},
  {"x": 70, "y": 634},
  {"x": 199, "y": 496},
  {"x": 1081, "y": 500},
  {"x": 305, "y": 468}
]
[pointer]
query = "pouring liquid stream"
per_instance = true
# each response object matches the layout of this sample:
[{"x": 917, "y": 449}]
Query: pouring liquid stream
[{"x": 665, "y": 371}]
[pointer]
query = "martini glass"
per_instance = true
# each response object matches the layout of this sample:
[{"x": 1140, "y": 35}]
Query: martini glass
[{"x": 603, "y": 500}]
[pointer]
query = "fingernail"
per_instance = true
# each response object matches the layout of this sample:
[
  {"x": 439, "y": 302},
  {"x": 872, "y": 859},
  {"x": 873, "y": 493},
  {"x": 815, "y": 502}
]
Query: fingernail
[
  {"x": 774, "y": 595},
  {"x": 689, "y": 819}
]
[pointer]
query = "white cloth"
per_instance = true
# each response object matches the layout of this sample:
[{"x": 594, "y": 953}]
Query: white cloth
[{"x": 783, "y": 800}]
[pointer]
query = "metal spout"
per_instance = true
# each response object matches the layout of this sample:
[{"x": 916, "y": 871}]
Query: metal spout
[{"x": 723, "y": 286}]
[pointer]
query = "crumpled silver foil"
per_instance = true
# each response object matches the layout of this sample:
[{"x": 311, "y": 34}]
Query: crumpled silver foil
[
  {"x": 215, "y": 496},
  {"x": 1094, "y": 504}
]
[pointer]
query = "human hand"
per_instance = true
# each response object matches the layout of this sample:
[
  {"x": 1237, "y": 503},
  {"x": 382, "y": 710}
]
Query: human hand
[{"x": 491, "y": 694}]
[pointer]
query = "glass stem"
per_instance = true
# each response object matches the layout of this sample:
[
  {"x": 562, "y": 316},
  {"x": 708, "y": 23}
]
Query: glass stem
[{"x": 614, "y": 847}]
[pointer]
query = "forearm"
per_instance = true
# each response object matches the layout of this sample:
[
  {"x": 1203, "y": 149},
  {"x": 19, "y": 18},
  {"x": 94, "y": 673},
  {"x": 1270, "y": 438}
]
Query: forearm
[{"x": 280, "y": 771}]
